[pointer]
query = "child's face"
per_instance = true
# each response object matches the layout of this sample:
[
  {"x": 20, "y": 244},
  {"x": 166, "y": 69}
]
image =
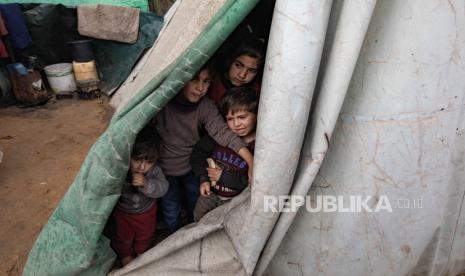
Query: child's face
[
  {"x": 243, "y": 70},
  {"x": 241, "y": 122},
  {"x": 140, "y": 165},
  {"x": 196, "y": 88}
]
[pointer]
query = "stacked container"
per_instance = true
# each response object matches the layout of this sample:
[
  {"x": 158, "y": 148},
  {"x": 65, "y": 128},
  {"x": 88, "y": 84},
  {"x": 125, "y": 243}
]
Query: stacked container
[{"x": 85, "y": 69}]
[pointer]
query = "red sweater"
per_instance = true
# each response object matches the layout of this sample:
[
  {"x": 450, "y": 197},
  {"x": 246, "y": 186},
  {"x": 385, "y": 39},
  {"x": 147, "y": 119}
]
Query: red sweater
[{"x": 220, "y": 84}]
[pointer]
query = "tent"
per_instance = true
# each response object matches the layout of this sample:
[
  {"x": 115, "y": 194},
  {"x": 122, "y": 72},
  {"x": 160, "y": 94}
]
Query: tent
[{"x": 360, "y": 100}]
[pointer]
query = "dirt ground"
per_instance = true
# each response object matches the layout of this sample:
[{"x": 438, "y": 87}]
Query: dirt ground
[{"x": 43, "y": 150}]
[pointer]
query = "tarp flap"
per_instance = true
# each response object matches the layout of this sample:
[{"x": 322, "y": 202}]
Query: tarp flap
[
  {"x": 398, "y": 137},
  {"x": 141, "y": 4},
  {"x": 343, "y": 47},
  {"x": 51, "y": 27},
  {"x": 72, "y": 242},
  {"x": 190, "y": 242}
]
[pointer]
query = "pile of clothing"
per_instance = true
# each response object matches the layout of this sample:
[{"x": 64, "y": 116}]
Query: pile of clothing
[{"x": 13, "y": 30}]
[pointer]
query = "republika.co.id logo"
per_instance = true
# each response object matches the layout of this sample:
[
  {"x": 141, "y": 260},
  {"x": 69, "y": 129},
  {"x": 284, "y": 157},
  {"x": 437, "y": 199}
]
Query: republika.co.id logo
[{"x": 341, "y": 204}]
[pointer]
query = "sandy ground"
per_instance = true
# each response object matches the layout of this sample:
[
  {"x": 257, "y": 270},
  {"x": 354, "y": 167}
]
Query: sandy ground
[{"x": 43, "y": 150}]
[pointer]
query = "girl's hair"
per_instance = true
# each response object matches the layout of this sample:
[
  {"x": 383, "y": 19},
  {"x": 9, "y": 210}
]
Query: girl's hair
[
  {"x": 251, "y": 47},
  {"x": 238, "y": 99}
]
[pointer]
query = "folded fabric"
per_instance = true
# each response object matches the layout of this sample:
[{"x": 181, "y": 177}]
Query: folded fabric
[
  {"x": 14, "y": 21},
  {"x": 108, "y": 22}
]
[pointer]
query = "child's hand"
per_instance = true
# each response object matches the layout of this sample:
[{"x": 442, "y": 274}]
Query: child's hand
[
  {"x": 138, "y": 179},
  {"x": 214, "y": 173},
  {"x": 205, "y": 189}
]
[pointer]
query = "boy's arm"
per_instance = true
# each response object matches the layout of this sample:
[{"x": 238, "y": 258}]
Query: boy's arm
[
  {"x": 218, "y": 129},
  {"x": 201, "y": 151},
  {"x": 234, "y": 180},
  {"x": 156, "y": 184},
  {"x": 246, "y": 155}
]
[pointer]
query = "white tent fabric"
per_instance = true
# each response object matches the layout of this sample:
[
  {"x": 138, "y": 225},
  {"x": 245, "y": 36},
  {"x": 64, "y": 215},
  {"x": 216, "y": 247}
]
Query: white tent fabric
[
  {"x": 399, "y": 135},
  {"x": 199, "y": 249},
  {"x": 388, "y": 122},
  {"x": 346, "y": 41}
]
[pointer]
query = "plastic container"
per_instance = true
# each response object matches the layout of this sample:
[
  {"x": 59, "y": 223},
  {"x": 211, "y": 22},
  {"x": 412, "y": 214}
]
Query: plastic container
[
  {"x": 60, "y": 77},
  {"x": 85, "y": 71},
  {"x": 82, "y": 50}
]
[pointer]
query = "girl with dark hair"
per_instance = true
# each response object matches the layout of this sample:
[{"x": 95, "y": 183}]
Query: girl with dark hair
[{"x": 243, "y": 68}]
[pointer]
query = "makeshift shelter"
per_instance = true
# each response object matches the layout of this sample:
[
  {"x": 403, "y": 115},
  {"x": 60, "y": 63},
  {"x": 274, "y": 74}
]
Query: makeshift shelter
[{"x": 359, "y": 99}]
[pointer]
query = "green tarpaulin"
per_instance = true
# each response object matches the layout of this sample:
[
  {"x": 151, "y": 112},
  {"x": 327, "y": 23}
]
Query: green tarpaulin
[{"x": 71, "y": 242}]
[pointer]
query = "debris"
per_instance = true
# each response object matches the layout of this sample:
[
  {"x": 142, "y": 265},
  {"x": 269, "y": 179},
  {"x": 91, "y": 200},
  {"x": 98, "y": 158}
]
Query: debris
[{"x": 64, "y": 95}]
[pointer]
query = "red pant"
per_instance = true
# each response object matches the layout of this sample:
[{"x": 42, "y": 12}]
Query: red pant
[{"x": 134, "y": 232}]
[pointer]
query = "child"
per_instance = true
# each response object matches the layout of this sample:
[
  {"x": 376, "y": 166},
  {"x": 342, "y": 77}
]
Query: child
[
  {"x": 135, "y": 212},
  {"x": 239, "y": 107},
  {"x": 242, "y": 68},
  {"x": 179, "y": 125}
]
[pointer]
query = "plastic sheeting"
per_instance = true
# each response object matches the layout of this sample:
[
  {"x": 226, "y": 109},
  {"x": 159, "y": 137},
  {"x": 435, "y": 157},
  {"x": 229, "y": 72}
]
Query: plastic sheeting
[{"x": 399, "y": 135}]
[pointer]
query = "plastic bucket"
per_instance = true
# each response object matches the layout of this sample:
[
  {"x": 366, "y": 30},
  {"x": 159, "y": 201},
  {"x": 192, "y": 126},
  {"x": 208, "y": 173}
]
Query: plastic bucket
[
  {"x": 60, "y": 77},
  {"x": 82, "y": 50}
]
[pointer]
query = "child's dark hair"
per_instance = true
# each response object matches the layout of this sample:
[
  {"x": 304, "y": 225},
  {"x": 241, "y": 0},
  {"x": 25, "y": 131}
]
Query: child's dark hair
[
  {"x": 146, "y": 146},
  {"x": 251, "y": 47},
  {"x": 207, "y": 65},
  {"x": 238, "y": 99}
]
